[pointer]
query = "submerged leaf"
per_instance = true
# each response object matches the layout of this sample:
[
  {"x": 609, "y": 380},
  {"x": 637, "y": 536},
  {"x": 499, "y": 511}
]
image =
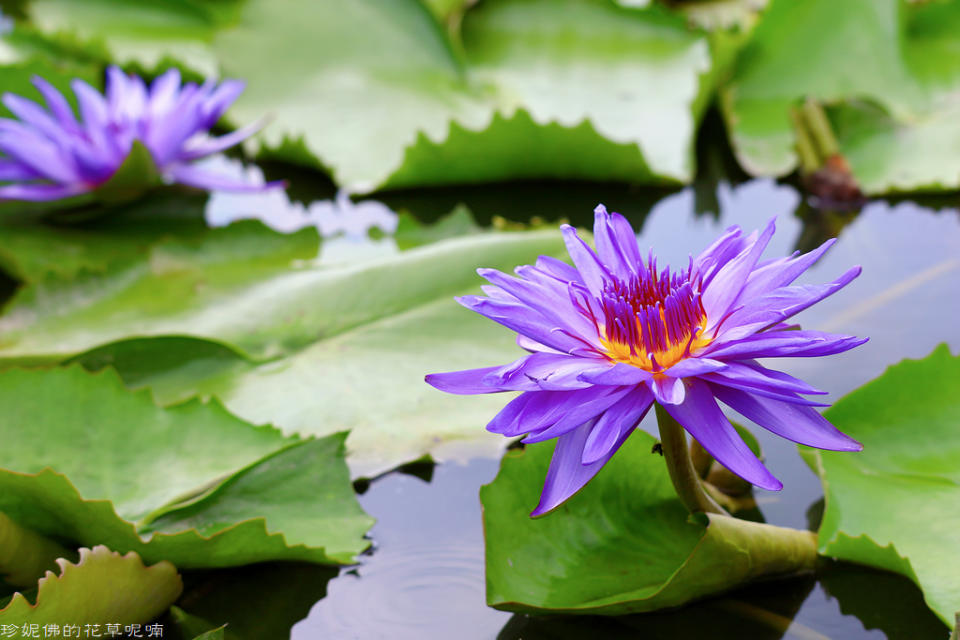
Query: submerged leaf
[
  {"x": 102, "y": 588},
  {"x": 191, "y": 484},
  {"x": 893, "y": 505},
  {"x": 623, "y": 544}
]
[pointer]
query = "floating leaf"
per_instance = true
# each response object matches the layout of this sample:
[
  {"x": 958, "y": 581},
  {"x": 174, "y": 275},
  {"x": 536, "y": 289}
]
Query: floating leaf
[
  {"x": 25, "y": 555},
  {"x": 34, "y": 249},
  {"x": 586, "y": 88},
  {"x": 147, "y": 32},
  {"x": 893, "y": 505},
  {"x": 186, "y": 286},
  {"x": 887, "y": 155},
  {"x": 87, "y": 461},
  {"x": 623, "y": 544},
  {"x": 896, "y": 54},
  {"x": 348, "y": 333},
  {"x": 412, "y": 233},
  {"x": 102, "y": 588}
]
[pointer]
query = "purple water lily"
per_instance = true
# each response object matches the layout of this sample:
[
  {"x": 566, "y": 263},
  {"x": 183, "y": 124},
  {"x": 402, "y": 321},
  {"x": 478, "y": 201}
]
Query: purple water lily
[
  {"x": 611, "y": 335},
  {"x": 49, "y": 154}
]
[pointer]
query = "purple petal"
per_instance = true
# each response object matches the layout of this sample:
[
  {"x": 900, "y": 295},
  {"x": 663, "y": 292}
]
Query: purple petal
[
  {"x": 785, "y": 343},
  {"x": 575, "y": 413},
  {"x": 528, "y": 344},
  {"x": 547, "y": 371},
  {"x": 550, "y": 300},
  {"x": 540, "y": 410},
  {"x": 566, "y": 474},
  {"x": 58, "y": 105},
  {"x": 37, "y": 153},
  {"x": 620, "y": 374},
  {"x": 34, "y": 115},
  {"x": 39, "y": 192},
  {"x": 216, "y": 145},
  {"x": 202, "y": 179},
  {"x": 740, "y": 376},
  {"x": 711, "y": 259},
  {"x": 724, "y": 289},
  {"x": 466, "y": 382},
  {"x": 116, "y": 90},
  {"x": 778, "y": 305},
  {"x": 794, "y": 422},
  {"x": 694, "y": 367},
  {"x": 497, "y": 293},
  {"x": 220, "y": 100},
  {"x": 593, "y": 273},
  {"x": 616, "y": 247},
  {"x": 12, "y": 170},
  {"x": 620, "y": 419},
  {"x": 558, "y": 269},
  {"x": 523, "y": 320},
  {"x": 666, "y": 390},
  {"x": 780, "y": 273},
  {"x": 93, "y": 109},
  {"x": 701, "y": 417},
  {"x": 163, "y": 92},
  {"x": 506, "y": 420}
]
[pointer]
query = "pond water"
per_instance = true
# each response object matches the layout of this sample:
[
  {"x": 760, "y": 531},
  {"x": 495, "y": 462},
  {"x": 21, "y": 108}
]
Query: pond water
[{"x": 424, "y": 577}]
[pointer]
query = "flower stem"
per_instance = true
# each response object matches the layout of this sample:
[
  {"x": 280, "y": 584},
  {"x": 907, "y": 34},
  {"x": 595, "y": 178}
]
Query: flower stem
[{"x": 685, "y": 480}]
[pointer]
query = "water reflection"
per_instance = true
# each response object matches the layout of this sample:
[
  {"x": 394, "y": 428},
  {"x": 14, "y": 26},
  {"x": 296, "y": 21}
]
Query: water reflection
[
  {"x": 425, "y": 577},
  {"x": 881, "y": 600},
  {"x": 345, "y": 225},
  {"x": 259, "y": 601},
  {"x": 763, "y": 612}
]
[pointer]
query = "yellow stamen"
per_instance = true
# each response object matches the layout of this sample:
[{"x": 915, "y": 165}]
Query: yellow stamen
[{"x": 677, "y": 351}]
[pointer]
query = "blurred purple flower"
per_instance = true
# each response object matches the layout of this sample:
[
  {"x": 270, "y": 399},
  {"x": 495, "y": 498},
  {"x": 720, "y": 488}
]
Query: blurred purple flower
[
  {"x": 49, "y": 154},
  {"x": 613, "y": 334}
]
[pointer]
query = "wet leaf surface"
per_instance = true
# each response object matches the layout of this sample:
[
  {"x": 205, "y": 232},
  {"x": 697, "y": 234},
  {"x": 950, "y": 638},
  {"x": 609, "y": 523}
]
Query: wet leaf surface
[
  {"x": 623, "y": 544},
  {"x": 892, "y": 505},
  {"x": 88, "y": 462},
  {"x": 102, "y": 588}
]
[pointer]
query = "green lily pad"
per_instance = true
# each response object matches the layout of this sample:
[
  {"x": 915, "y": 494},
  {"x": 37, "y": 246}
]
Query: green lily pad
[
  {"x": 623, "y": 544},
  {"x": 34, "y": 249},
  {"x": 887, "y": 155},
  {"x": 587, "y": 88},
  {"x": 146, "y": 32},
  {"x": 25, "y": 555},
  {"x": 102, "y": 588},
  {"x": 896, "y": 54},
  {"x": 893, "y": 505},
  {"x": 590, "y": 89},
  {"x": 137, "y": 174},
  {"x": 410, "y": 232},
  {"x": 344, "y": 334},
  {"x": 186, "y": 286},
  {"x": 86, "y": 461}
]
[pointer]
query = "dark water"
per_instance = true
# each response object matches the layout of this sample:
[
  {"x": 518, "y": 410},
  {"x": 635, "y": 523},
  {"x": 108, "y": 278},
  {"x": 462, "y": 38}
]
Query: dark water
[{"x": 424, "y": 577}]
